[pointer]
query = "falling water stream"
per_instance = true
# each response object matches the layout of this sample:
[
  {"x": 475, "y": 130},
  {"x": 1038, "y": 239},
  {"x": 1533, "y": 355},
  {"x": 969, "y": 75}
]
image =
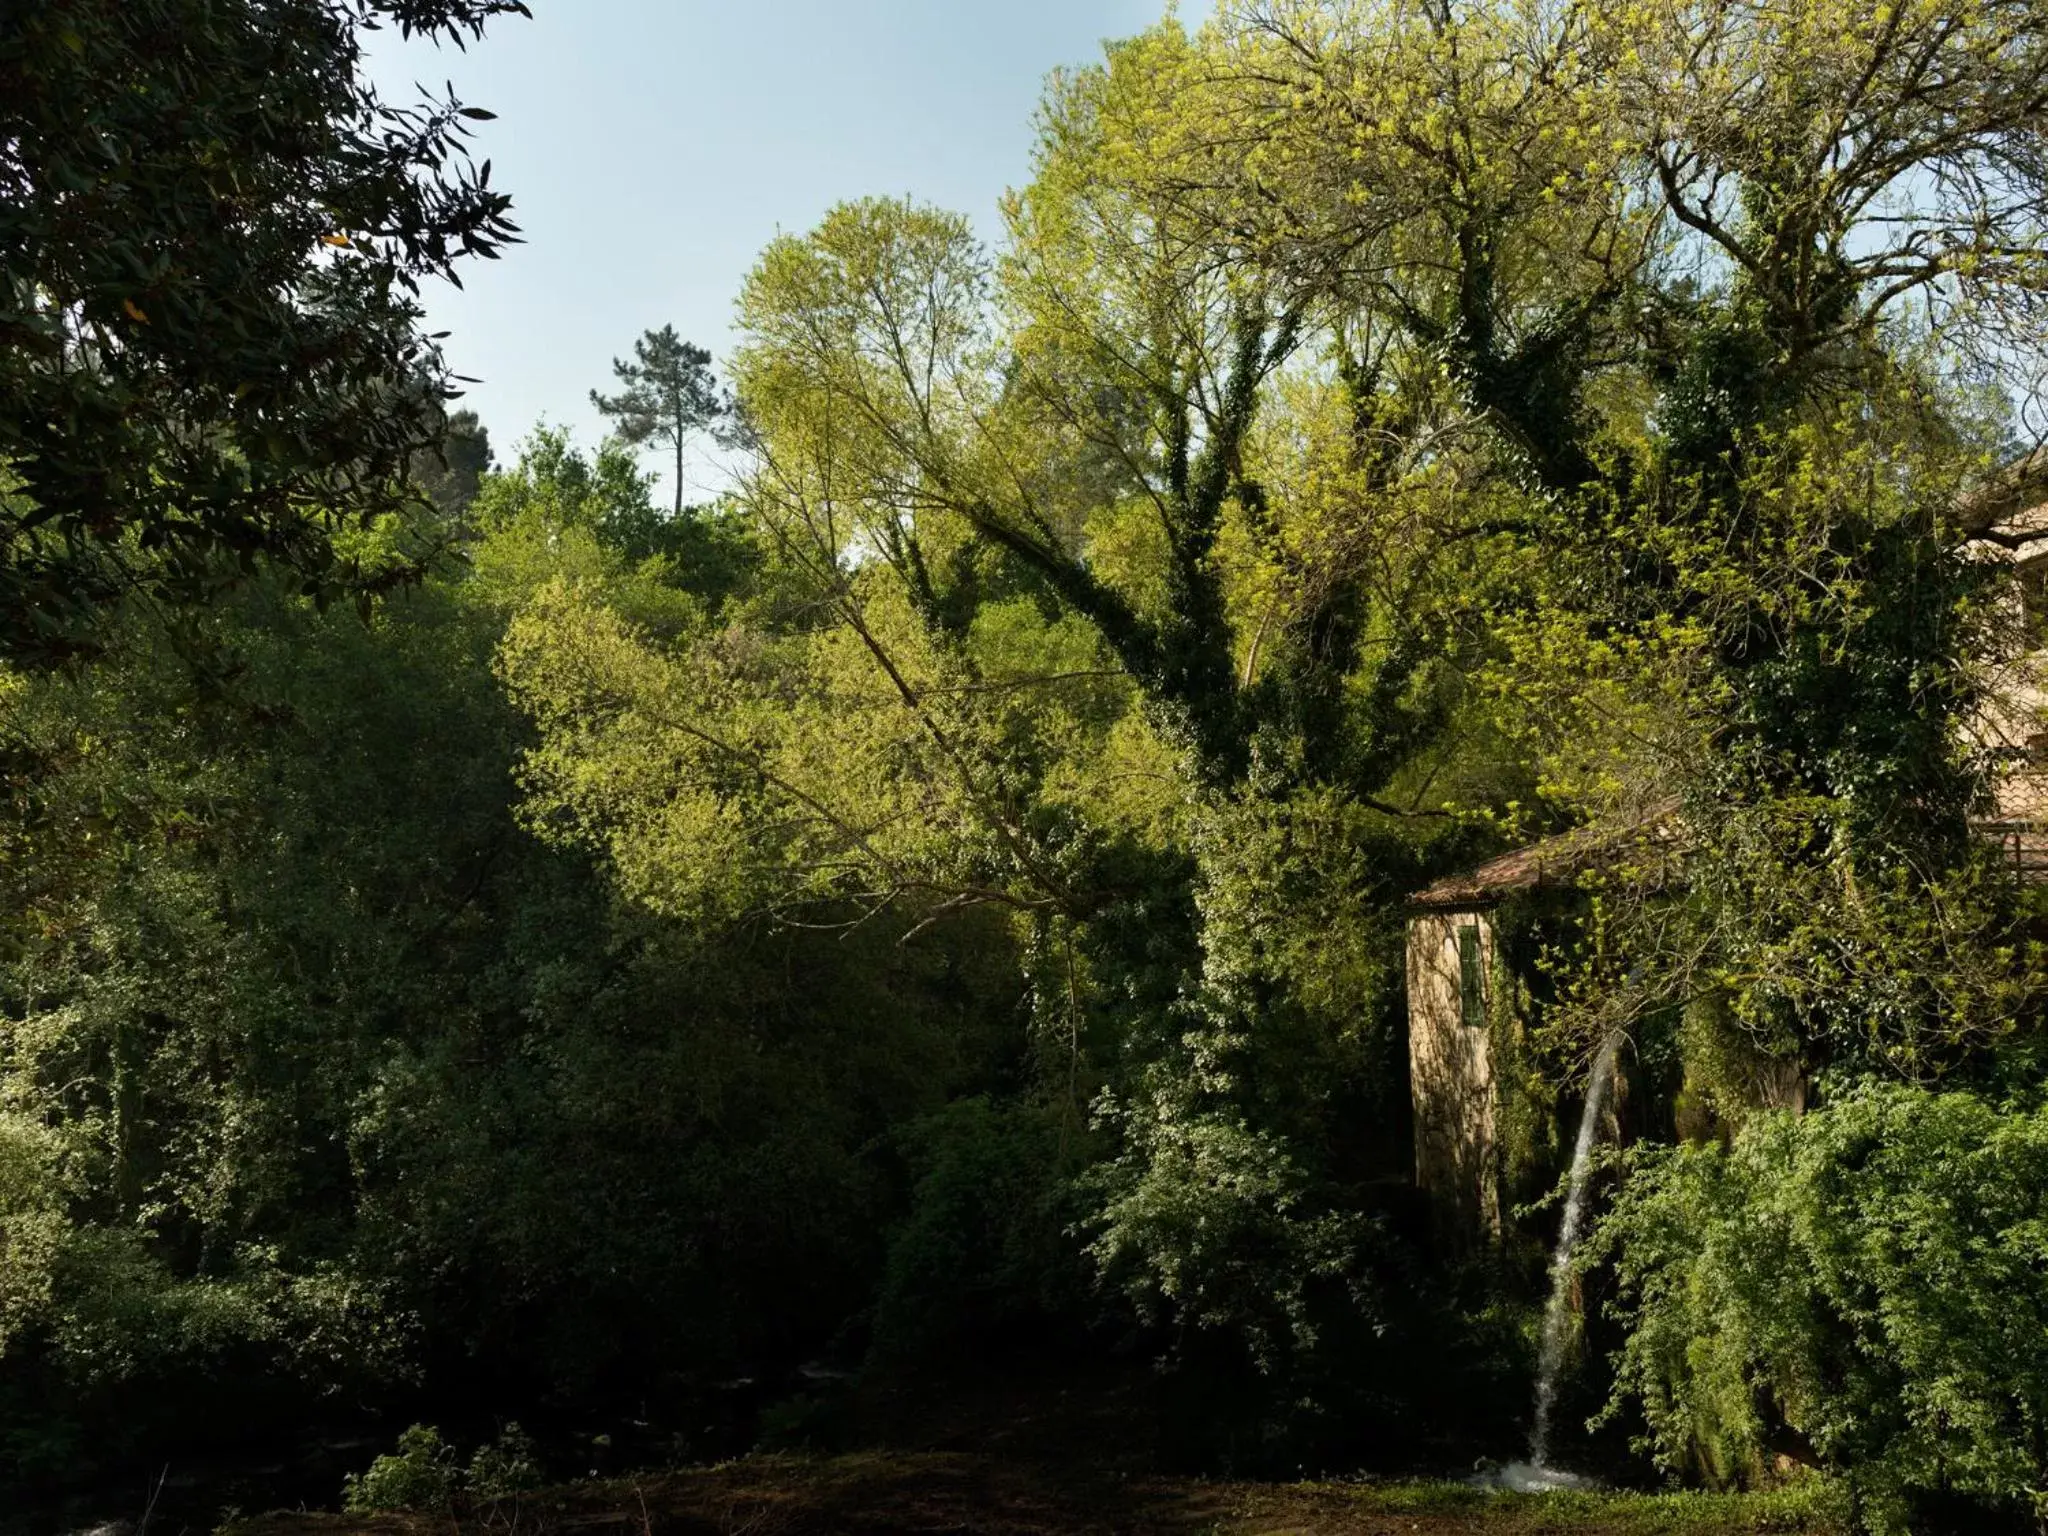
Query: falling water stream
[{"x": 1537, "y": 1473}]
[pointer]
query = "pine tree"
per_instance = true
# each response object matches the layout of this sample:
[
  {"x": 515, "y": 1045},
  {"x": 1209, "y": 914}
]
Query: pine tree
[{"x": 670, "y": 395}]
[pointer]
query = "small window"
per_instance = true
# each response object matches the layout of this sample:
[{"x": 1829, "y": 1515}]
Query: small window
[{"x": 1471, "y": 978}]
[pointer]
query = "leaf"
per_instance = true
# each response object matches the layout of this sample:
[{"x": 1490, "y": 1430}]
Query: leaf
[{"x": 134, "y": 311}]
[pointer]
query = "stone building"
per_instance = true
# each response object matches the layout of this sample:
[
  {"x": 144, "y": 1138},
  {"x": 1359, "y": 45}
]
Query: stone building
[
  {"x": 1454, "y": 965},
  {"x": 1455, "y": 970},
  {"x": 1450, "y": 1064}
]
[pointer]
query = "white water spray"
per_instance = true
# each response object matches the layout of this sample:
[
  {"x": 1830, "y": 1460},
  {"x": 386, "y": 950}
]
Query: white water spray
[
  {"x": 1557, "y": 1315},
  {"x": 1536, "y": 1475}
]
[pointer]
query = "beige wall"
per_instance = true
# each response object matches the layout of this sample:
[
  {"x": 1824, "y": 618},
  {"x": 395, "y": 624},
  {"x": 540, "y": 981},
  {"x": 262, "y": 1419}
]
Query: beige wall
[
  {"x": 2012, "y": 712},
  {"x": 1450, "y": 1067}
]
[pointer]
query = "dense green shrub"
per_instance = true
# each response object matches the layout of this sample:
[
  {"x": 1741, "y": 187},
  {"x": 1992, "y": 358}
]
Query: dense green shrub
[
  {"x": 505, "y": 1466},
  {"x": 984, "y": 1243},
  {"x": 1865, "y": 1287},
  {"x": 320, "y": 1075},
  {"x": 423, "y": 1475},
  {"x": 420, "y": 1475}
]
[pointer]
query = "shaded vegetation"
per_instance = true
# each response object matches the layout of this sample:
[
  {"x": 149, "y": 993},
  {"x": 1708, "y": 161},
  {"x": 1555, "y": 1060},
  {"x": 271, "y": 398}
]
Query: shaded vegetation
[
  {"x": 959, "y": 1493},
  {"x": 686, "y": 968}
]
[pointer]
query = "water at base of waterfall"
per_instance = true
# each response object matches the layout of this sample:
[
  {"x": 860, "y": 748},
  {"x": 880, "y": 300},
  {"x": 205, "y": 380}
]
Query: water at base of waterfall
[{"x": 1527, "y": 1477}]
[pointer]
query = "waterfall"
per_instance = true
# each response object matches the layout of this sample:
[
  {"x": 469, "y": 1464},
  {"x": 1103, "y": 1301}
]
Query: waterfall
[{"x": 1557, "y": 1315}]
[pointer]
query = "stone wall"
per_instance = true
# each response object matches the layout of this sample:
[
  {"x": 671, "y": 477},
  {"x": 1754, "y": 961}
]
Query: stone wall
[{"x": 1450, "y": 1062}]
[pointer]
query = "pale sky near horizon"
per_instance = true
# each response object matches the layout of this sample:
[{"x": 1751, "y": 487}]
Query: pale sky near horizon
[{"x": 653, "y": 147}]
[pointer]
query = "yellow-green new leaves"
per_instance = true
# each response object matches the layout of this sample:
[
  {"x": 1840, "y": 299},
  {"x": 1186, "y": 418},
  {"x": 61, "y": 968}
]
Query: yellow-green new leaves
[
  {"x": 1364, "y": 148},
  {"x": 880, "y": 308},
  {"x": 1513, "y": 184},
  {"x": 1819, "y": 146},
  {"x": 869, "y": 381},
  {"x": 719, "y": 782},
  {"x": 1835, "y": 157},
  {"x": 821, "y": 774}
]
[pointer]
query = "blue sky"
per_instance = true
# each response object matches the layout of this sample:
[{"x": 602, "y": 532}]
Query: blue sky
[{"x": 654, "y": 146}]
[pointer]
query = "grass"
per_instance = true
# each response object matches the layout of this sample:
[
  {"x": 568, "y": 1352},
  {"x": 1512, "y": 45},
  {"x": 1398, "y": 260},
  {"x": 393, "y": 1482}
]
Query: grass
[
  {"x": 1811, "y": 1509},
  {"x": 983, "y": 1495}
]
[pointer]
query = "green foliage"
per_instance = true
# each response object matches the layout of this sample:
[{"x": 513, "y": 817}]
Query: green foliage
[
  {"x": 983, "y": 1245},
  {"x": 32, "y": 1215},
  {"x": 316, "y": 1071},
  {"x": 210, "y": 255},
  {"x": 1379, "y": 512},
  {"x": 1860, "y": 1286},
  {"x": 958, "y": 880},
  {"x": 420, "y": 1476},
  {"x": 1223, "y": 1206},
  {"x": 559, "y": 513},
  {"x": 1212, "y": 1225},
  {"x": 451, "y": 472},
  {"x": 503, "y": 1467}
]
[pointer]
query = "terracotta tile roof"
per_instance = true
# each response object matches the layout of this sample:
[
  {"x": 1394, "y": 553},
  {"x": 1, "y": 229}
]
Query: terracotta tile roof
[
  {"x": 1558, "y": 861},
  {"x": 2018, "y": 487}
]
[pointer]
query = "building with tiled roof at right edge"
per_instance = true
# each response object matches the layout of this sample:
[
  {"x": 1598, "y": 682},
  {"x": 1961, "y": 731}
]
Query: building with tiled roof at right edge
[{"x": 1463, "y": 981}]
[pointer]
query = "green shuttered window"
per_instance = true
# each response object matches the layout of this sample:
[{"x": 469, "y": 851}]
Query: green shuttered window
[{"x": 1471, "y": 978}]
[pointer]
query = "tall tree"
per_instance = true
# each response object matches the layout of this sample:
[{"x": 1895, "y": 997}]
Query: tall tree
[
  {"x": 1297, "y": 446},
  {"x": 212, "y": 234},
  {"x": 315, "y": 1071},
  {"x": 1042, "y": 531},
  {"x": 670, "y": 396},
  {"x": 452, "y": 470}
]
